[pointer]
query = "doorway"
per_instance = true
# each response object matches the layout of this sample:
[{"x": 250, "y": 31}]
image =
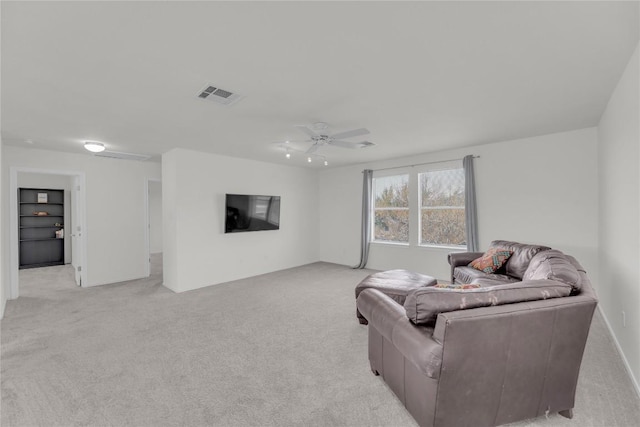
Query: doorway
[
  {"x": 154, "y": 227},
  {"x": 73, "y": 184}
]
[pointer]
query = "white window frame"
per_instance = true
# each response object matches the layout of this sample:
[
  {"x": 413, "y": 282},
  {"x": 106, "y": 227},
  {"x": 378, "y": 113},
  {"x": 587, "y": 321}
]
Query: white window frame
[
  {"x": 378, "y": 175},
  {"x": 434, "y": 168}
]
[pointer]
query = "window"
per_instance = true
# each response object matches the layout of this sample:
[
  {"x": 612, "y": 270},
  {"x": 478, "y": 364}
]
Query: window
[
  {"x": 273, "y": 215},
  {"x": 442, "y": 220},
  {"x": 391, "y": 208},
  {"x": 266, "y": 208},
  {"x": 260, "y": 207}
]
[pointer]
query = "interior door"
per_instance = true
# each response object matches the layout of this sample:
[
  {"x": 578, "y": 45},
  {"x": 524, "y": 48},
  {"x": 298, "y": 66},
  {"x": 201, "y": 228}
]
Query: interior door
[{"x": 75, "y": 231}]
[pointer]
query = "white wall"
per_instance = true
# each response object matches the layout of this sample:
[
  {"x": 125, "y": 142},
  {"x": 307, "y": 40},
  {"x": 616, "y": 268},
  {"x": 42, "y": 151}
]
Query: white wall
[
  {"x": 198, "y": 253},
  {"x": 619, "y": 186},
  {"x": 3, "y": 271},
  {"x": 155, "y": 217},
  {"x": 535, "y": 190},
  {"x": 115, "y": 216},
  {"x": 3, "y": 280},
  {"x": 55, "y": 182}
]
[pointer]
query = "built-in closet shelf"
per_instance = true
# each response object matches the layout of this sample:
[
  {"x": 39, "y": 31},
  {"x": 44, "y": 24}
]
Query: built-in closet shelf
[
  {"x": 41, "y": 204},
  {"x": 39, "y": 246}
]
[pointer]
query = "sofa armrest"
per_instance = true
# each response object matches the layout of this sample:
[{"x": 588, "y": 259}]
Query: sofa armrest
[
  {"x": 417, "y": 345},
  {"x": 380, "y": 310},
  {"x": 457, "y": 259},
  {"x": 390, "y": 320}
]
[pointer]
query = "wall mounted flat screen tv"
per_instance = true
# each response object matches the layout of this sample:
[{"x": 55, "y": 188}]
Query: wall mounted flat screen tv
[{"x": 252, "y": 213}]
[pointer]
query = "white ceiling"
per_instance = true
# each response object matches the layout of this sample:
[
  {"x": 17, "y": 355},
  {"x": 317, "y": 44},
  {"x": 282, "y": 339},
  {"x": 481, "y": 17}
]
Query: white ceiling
[{"x": 421, "y": 76}]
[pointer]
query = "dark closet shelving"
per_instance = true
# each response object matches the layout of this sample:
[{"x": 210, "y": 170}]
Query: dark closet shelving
[{"x": 39, "y": 246}]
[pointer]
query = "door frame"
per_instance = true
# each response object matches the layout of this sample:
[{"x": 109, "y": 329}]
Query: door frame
[
  {"x": 147, "y": 224},
  {"x": 14, "y": 246},
  {"x": 76, "y": 229}
]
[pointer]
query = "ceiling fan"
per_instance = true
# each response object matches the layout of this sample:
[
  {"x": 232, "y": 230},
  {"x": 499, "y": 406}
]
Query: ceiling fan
[{"x": 320, "y": 137}]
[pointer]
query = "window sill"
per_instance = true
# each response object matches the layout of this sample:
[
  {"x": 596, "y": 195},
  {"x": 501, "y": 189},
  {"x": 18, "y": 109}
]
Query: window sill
[
  {"x": 444, "y": 247},
  {"x": 386, "y": 243},
  {"x": 427, "y": 247}
]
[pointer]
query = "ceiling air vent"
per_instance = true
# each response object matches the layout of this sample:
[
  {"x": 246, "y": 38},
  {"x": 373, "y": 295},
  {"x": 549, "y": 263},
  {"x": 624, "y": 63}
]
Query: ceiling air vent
[
  {"x": 221, "y": 96},
  {"x": 124, "y": 156}
]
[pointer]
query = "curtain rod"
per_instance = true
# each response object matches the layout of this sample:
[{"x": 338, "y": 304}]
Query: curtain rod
[{"x": 420, "y": 164}]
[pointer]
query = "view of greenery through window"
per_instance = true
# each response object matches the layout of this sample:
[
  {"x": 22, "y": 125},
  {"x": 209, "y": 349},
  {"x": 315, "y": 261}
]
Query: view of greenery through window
[
  {"x": 441, "y": 205},
  {"x": 391, "y": 206}
]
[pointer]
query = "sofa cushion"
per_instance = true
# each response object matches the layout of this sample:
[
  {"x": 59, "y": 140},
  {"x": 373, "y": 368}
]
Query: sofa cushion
[
  {"x": 489, "y": 280},
  {"x": 423, "y": 305},
  {"x": 470, "y": 274},
  {"x": 553, "y": 265},
  {"x": 522, "y": 254},
  {"x": 456, "y": 286},
  {"x": 491, "y": 260}
]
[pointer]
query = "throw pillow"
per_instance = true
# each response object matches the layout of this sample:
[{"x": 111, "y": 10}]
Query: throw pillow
[
  {"x": 492, "y": 260},
  {"x": 461, "y": 286}
]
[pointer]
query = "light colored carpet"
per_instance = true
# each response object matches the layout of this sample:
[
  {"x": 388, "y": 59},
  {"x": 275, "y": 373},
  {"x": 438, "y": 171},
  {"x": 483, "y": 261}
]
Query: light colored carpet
[{"x": 281, "y": 349}]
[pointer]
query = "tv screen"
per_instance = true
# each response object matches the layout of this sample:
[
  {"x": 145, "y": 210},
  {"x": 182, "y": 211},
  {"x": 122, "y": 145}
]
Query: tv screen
[{"x": 252, "y": 213}]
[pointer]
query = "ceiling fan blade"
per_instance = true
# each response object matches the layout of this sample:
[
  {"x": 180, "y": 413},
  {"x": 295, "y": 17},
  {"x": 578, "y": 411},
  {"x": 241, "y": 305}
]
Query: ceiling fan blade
[
  {"x": 307, "y": 130},
  {"x": 313, "y": 149},
  {"x": 350, "y": 133},
  {"x": 345, "y": 144}
]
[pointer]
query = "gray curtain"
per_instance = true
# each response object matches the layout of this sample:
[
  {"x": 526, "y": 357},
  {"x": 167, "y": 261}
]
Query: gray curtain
[
  {"x": 365, "y": 238},
  {"x": 471, "y": 215}
]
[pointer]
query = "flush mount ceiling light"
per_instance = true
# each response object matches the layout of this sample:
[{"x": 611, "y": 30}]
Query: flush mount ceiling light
[{"x": 93, "y": 146}]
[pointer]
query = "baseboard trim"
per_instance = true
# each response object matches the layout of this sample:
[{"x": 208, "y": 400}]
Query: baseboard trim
[
  {"x": 634, "y": 381},
  {"x": 113, "y": 283}
]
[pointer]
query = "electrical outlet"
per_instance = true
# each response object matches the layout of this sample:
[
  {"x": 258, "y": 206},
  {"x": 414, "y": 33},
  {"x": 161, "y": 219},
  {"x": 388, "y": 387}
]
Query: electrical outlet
[{"x": 624, "y": 319}]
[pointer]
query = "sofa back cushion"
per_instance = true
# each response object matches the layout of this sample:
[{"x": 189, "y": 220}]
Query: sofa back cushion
[
  {"x": 423, "y": 305},
  {"x": 471, "y": 275},
  {"x": 554, "y": 265},
  {"x": 520, "y": 258}
]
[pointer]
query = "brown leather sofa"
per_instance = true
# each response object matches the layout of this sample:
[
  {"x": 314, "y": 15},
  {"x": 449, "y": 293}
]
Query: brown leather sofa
[
  {"x": 511, "y": 272},
  {"x": 485, "y": 356}
]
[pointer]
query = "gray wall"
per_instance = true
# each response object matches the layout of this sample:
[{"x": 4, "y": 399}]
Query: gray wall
[
  {"x": 155, "y": 217},
  {"x": 619, "y": 216}
]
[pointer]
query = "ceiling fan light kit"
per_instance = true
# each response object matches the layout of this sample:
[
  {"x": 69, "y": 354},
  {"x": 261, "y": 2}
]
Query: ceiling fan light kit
[{"x": 319, "y": 137}]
